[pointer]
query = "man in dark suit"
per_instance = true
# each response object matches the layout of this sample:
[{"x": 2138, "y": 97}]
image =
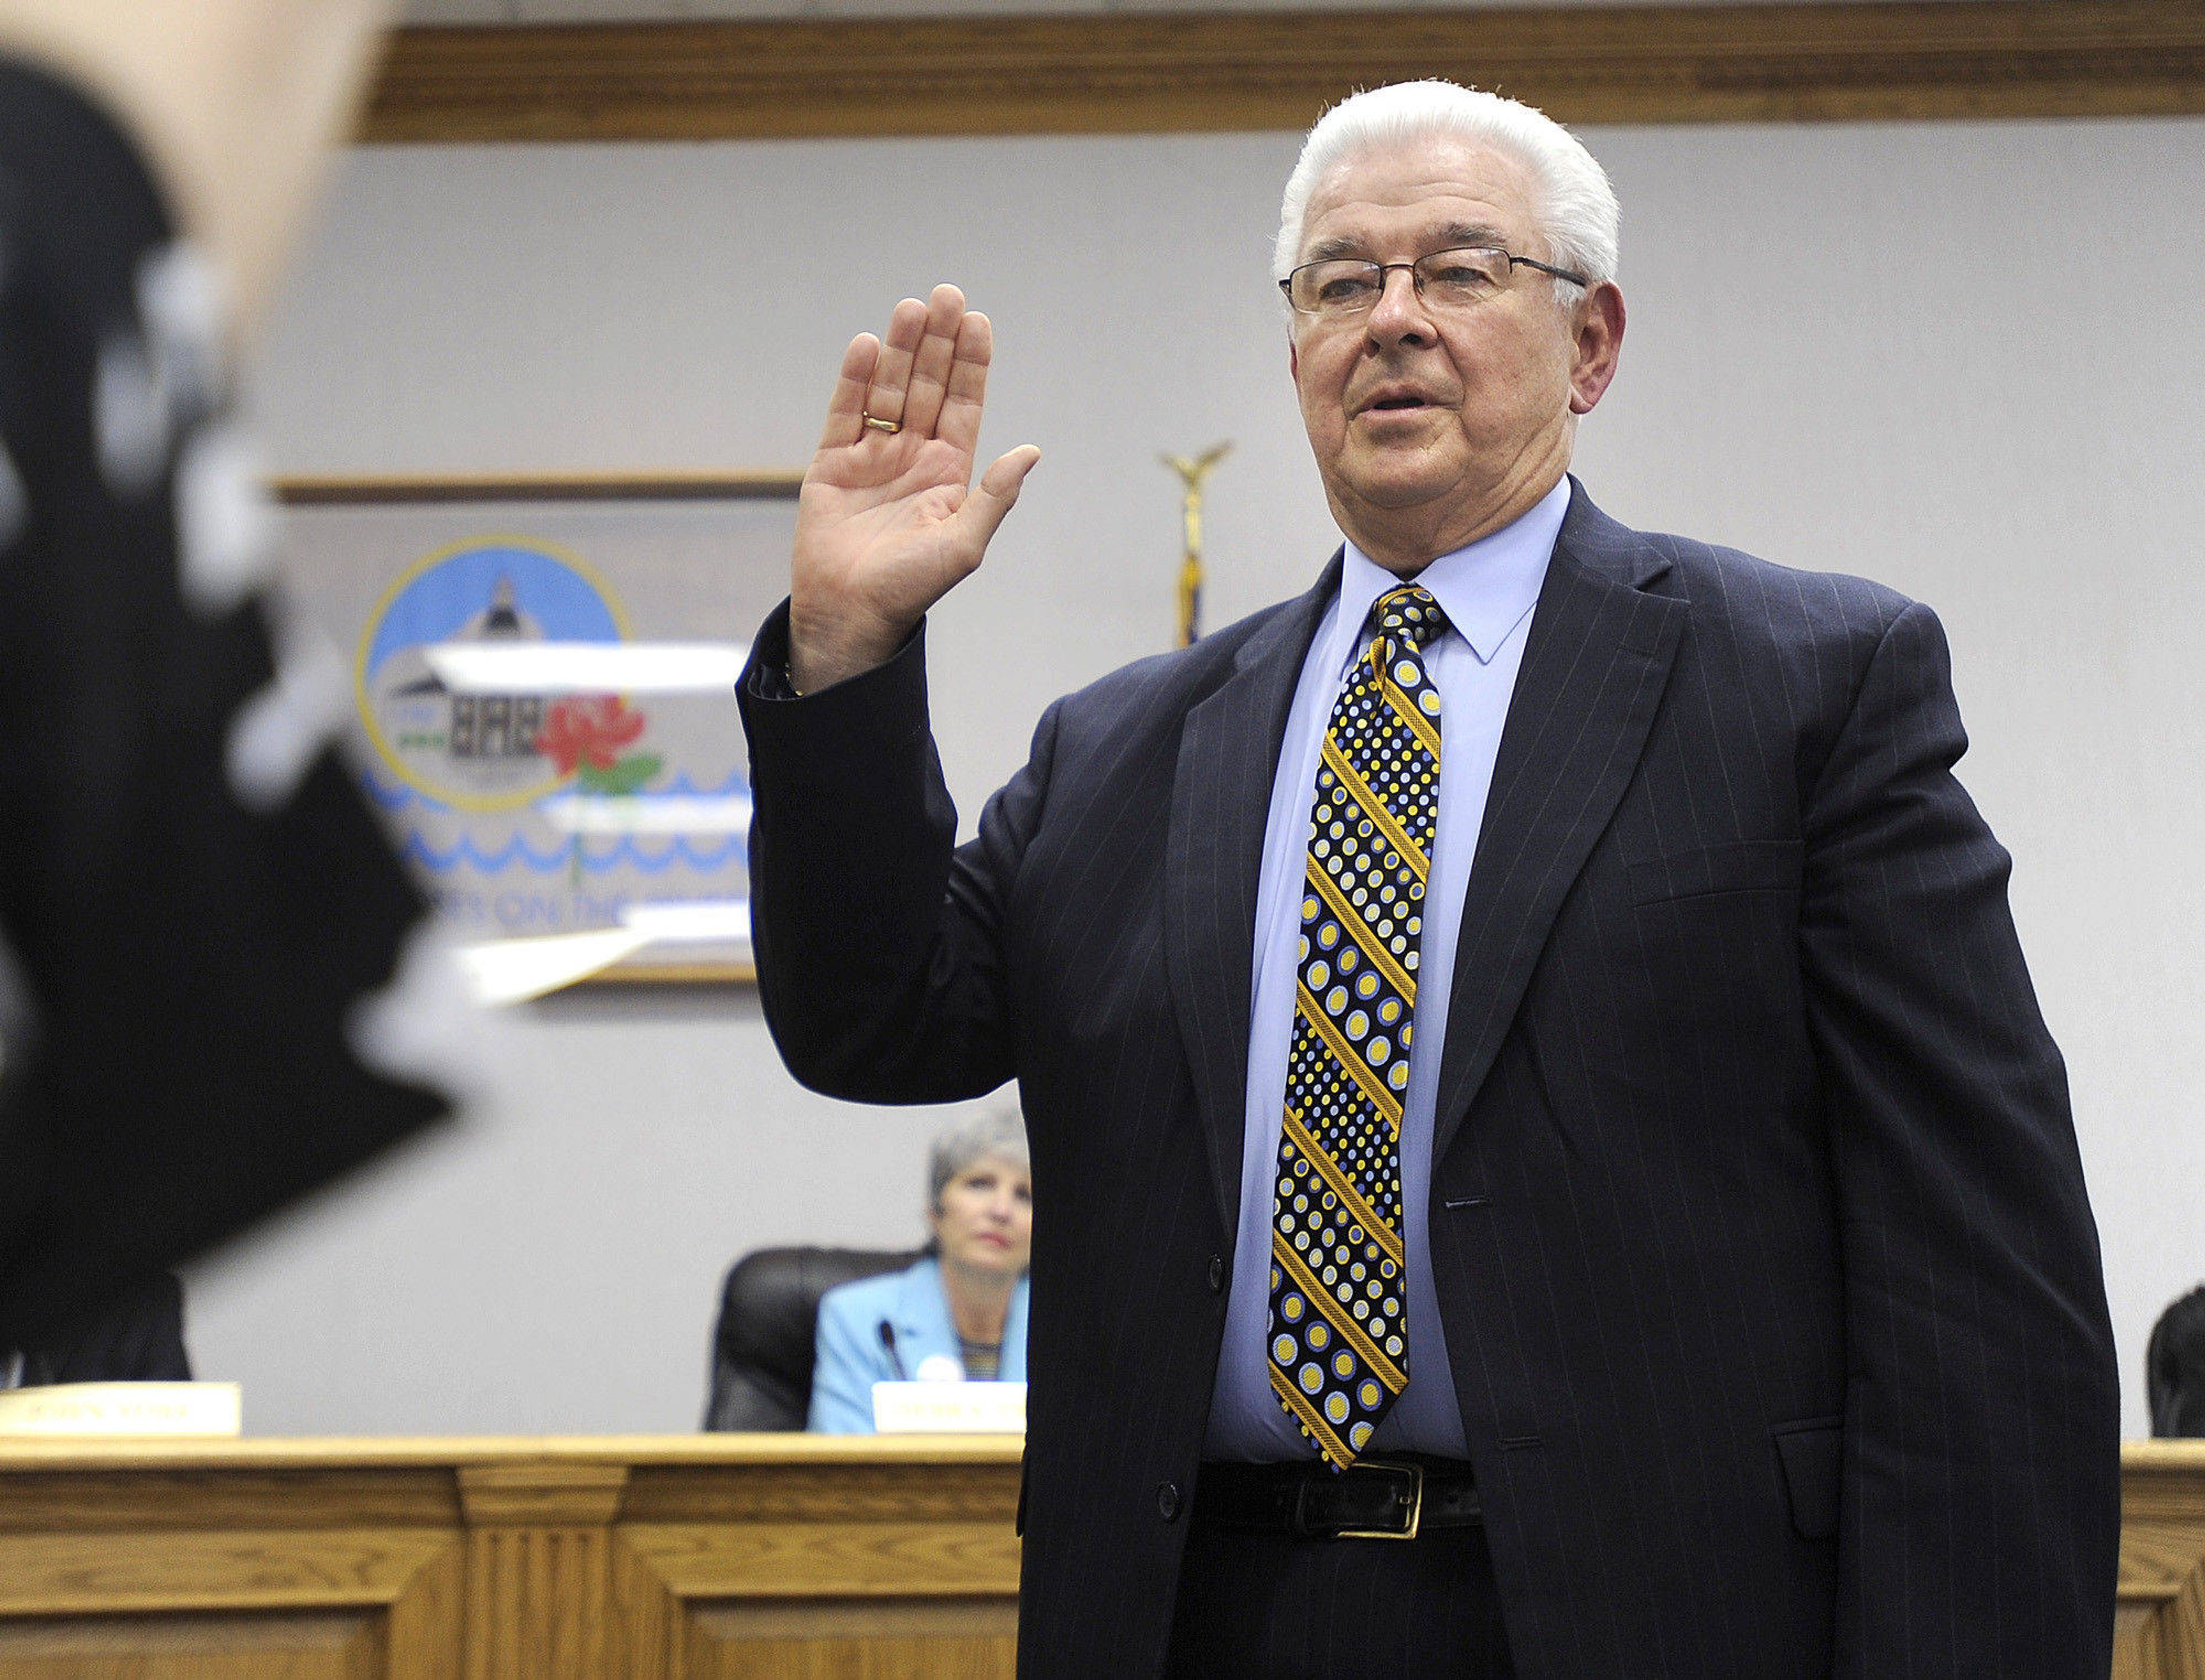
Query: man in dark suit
[{"x": 1546, "y": 1157}]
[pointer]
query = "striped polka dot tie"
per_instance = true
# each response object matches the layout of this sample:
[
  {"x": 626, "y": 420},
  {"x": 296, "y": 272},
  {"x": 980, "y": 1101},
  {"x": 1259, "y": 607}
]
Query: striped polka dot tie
[{"x": 1339, "y": 1322}]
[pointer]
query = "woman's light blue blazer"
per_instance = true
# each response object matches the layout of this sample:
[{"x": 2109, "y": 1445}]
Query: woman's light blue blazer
[{"x": 852, "y": 1357}]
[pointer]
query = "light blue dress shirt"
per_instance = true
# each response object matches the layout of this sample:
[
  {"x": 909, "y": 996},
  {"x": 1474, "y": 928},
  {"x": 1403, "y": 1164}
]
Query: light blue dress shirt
[{"x": 1487, "y": 591}]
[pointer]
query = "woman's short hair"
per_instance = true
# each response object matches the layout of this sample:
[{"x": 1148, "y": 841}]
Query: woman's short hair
[
  {"x": 1577, "y": 209},
  {"x": 1000, "y": 1132}
]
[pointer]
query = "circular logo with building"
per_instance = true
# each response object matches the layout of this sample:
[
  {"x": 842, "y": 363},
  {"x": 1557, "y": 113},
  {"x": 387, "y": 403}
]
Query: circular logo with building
[{"x": 473, "y": 749}]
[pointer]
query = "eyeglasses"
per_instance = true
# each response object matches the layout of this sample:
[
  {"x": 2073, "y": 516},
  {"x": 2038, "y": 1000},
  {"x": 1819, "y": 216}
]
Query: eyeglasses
[{"x": 1459, "y": 279}]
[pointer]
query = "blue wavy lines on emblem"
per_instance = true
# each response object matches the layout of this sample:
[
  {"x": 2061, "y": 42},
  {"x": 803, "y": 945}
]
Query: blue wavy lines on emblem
[
  {"x": 735, "y": 783},
  {"x": 624, "y": 852}
]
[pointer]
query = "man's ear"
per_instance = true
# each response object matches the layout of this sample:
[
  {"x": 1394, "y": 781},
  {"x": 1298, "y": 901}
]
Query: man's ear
[{"x": 1596, "y": 343}]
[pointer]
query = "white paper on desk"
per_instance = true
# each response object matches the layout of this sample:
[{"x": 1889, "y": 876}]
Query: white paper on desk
[
  {"x": 949, "y": 1408},
  {"x": 513, "y": 971},
  {"x": 87, "y": 1409}
]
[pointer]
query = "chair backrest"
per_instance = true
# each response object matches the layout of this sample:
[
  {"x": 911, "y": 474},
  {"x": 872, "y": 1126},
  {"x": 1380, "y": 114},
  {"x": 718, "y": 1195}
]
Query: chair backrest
[
  {"x": 2174, "y": 1367},
  {"x": 138, "y": 1337},
  {"x": 763, "y": 1346}
]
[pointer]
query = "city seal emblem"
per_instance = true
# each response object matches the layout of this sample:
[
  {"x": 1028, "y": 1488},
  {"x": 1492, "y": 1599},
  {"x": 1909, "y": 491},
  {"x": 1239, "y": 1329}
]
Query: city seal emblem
[{"x": 479, "y": 752}]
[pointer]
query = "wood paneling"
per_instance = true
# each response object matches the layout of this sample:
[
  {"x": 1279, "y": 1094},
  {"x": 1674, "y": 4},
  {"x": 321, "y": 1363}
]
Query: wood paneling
[
  {"x": 797, "y": 1491},
  {"x": 320, "y": 1646},
  {"x": 1160, "y": 72},
  {"x": 536, "y": 1603},
  {"x": 96, "y": 1501},
  {"x": 2161, "y": 1631},
  {"x": 802, "y": 1558},
  {"x": 59, "y": 1574},
  {"x": 828, "y": 1559},
  {"x": 860, "y": 1640},
  {"x": 546, "y": 1491},
  {"x": 507, "y": 1560},
  {"x": 539, "y": 1567}
]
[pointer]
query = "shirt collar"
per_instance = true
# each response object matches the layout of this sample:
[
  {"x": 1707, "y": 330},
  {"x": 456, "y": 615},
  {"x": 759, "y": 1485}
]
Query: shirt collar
[{"x": 1486, "y": 588}]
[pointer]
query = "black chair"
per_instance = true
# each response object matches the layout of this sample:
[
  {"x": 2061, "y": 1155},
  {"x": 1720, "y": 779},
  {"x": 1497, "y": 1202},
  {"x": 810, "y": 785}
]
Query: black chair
[
  {"x": 138, "y": 1337},
  {"x": 2174, "y": 1367},
  {"x": 762, "y": 1347}
]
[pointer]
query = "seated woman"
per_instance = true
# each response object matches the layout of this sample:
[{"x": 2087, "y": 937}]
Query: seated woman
[{"x": 961, "y": 1311}]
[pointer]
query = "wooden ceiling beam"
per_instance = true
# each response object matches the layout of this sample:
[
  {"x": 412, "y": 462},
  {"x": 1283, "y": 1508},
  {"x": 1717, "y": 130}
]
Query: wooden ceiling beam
[{"x": 1156, "y": 72}]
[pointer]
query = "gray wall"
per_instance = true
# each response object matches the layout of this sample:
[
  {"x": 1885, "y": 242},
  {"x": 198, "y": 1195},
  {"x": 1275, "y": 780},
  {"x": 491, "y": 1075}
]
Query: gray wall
[{"x": 1963, "y": 360}]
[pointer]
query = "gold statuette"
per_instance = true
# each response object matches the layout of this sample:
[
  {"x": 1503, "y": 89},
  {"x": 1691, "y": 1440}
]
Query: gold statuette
[{"x": 1193, "y": 474}]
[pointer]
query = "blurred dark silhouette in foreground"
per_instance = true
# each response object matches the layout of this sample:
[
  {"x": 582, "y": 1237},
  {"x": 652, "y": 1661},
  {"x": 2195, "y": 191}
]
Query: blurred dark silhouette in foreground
[{"x": 214, "y": 997}]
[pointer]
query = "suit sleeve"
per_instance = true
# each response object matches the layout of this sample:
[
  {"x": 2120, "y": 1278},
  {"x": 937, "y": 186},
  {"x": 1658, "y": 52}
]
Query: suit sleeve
[
  {"x": 1981, "y": 1506},
  {"x": 878, "y": 942},
  {"x": 842, "y": 1375}
]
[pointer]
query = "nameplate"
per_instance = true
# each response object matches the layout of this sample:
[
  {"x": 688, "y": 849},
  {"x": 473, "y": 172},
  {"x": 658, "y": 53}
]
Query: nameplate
[
  {"x": 123, "y": 1409},
  {"x": 949, "y": 1408}
]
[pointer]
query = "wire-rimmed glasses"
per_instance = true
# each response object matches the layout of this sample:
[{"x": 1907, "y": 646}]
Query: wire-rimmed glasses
[{"x": 1457, "y": 279}]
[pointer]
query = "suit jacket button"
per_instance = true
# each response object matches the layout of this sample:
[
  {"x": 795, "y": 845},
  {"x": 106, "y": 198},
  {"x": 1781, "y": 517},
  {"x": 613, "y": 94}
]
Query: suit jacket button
[
  {"x": 1167, "y": 1501},
  {"x": 1216, "y": 1274}
]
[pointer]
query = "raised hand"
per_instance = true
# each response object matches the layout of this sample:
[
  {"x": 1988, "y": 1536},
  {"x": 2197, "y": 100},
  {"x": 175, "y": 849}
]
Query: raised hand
[{"x": 890, "y": 520}]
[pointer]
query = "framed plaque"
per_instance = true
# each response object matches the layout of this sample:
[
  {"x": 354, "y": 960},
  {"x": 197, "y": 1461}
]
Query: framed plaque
[{"x": 543, "y": 673}]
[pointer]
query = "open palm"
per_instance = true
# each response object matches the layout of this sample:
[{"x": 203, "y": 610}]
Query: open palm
[{"x": 889, "y": 519}]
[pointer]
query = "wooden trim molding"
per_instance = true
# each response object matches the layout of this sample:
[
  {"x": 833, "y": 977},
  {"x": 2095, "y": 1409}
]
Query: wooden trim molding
[
  {"x": 1155, "y": 72},
  {"x": 319, "y": 490}
]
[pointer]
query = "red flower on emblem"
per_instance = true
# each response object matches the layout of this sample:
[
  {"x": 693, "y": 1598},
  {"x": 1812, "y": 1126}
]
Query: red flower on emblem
[{"x": 588, "y": 729}]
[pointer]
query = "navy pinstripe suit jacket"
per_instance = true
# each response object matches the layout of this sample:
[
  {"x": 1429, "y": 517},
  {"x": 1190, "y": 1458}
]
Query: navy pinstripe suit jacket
[{"x": 1771, "y": 1289}]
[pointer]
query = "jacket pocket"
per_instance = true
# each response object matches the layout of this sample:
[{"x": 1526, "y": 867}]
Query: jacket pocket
[
  {"x": 1811, "y": 1453},
  {"x": 1741, "y": 866}
]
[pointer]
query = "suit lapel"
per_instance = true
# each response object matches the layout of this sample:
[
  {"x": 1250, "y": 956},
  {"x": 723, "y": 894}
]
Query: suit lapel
[
  {"x": 1229, "y": 755},
  {"x": 1594, "y": 671}
]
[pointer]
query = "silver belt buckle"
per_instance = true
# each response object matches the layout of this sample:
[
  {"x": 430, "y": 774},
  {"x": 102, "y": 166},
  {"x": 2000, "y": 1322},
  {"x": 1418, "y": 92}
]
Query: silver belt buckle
[{"x": 1416, "y": 1502}]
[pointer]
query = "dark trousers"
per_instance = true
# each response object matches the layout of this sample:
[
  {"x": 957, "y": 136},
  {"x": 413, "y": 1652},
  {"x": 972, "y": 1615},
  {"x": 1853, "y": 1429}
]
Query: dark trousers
[{"x": 1272, "y": 1607}]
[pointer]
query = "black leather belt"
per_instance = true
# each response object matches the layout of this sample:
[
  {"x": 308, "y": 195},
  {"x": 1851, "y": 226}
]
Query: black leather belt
[{"x": 1374, "y": 1499}]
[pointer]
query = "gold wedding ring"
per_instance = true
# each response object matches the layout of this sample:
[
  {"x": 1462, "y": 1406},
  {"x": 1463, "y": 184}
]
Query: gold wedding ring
[{"x": 875, "y": 423}]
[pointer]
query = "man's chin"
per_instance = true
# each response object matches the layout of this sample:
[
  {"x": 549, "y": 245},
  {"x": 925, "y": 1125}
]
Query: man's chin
[{"x": 1402, "y": 482}]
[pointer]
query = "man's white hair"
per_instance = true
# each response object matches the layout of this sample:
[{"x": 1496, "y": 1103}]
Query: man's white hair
[{"x": 1577, "y": 210}]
